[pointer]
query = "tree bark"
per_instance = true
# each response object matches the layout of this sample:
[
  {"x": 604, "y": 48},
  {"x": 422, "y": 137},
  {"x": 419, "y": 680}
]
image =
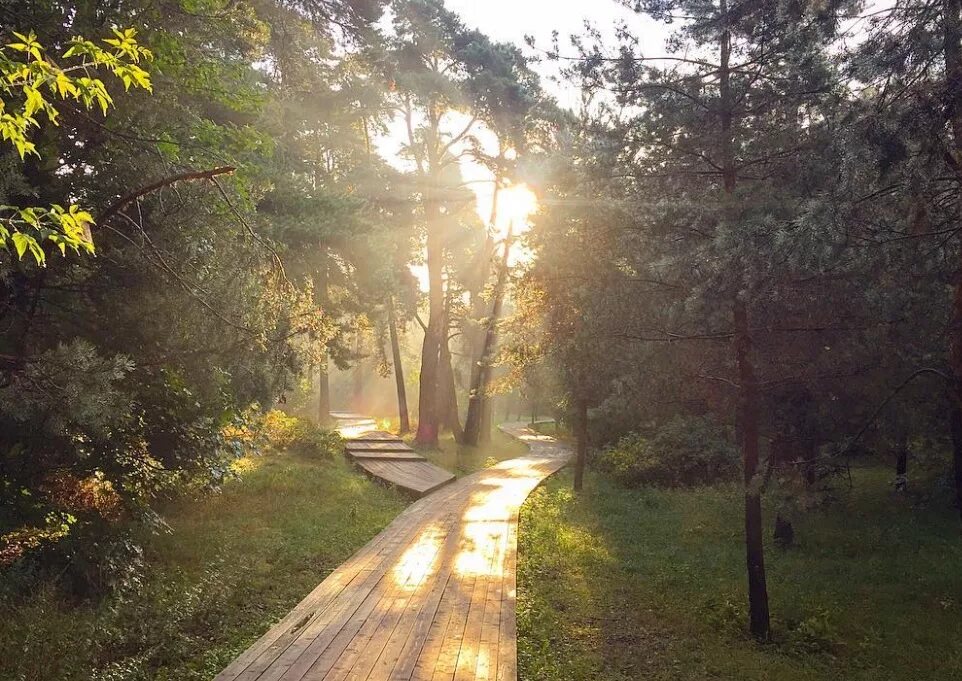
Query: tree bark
[
  {"x": 451, "y": 413},
  {"x": 955, "y": 422},
  {"x": 323, "y": 380},
  {"x": 952, "y": 26},
  {"x": 902, "y": 465},
  {"x": 428, "y": 415},
  {"x": 478, "y": 393},
  {"x": 759, "y": 619},
  {"x": 581, "y": 426},
  {"x": 402, "y": 397},
  {"x": 357, "y": 375},
  {"x": 487, "y": 419},
  {"x": 323, "y": 395}
]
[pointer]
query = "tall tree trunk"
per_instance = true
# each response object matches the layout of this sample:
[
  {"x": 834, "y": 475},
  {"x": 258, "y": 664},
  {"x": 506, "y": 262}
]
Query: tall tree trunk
[
  {"x": 759, "y": 620},
  {"x": 487, "y": 419},
  {"x": 478, "y": 392},
  {"x": 323, "y": 395},
  {"x": 323, "y": 380},
  {"x": 451, "y": 416},
  {"x": 901, "y": 464},
  {"x": 428, "y": 402},
  {"x": 955, "y": 423},
  {"x": 952, "y": 21},
  {"x": 402, "y": 397},
  {"x": 357, "y": 375},
  {"x": 581, "y": 426}
]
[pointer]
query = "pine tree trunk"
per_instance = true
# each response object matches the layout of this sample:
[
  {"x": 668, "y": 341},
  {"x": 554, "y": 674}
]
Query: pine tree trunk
[
  {"x": 758, "y": 615},
  {"x": 402, "y": 397},
  {"x": 323, "y": 395},
  {"x": 323, "y": 380},
  {"x": 955, "y": 423},
  {"x": 759, "y": 620},
  {"x": 487, "y": 420},
  {"x": 581, "y": 426},
  {"x": 428, "y": 402},
  {"x": 952, "y": 20},
  {"x": 451, "y": 415},
  {"x": 901, "y": 465},
  {"x": 478, "y": 393},
  {"x": 357, "y": 375}
]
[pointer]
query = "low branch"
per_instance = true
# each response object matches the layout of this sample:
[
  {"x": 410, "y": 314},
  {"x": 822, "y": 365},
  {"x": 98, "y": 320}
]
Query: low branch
[
  {"x": 189, "y": 176},
  {"x": 885, "y": 402}
]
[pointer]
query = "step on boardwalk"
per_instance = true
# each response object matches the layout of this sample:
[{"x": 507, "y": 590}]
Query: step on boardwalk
[
  {"x": 431, "y": 597},
  {"x": 387, "y": 458}
]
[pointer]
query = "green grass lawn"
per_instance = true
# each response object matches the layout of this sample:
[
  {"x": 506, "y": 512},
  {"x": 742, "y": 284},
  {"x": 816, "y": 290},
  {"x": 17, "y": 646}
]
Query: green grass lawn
[
  {"x": 234, "y": 563},
  {"x": 649, "y": 584},
  {"x": 462, "y": 460}
]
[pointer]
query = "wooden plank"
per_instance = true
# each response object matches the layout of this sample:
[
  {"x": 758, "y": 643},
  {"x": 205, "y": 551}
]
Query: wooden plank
[
  {"x": 382, "y": 446},
  {"x": 376, "y": 436},
  {"x": 376, "y": 455},
  {"x": 419, "y": 477},
  {"x": 433, "y": 596},
  {"x": 349, "y": 415}
]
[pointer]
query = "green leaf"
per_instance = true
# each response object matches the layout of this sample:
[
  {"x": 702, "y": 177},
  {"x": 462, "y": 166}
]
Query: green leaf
[{"x": 21, "y": 242}]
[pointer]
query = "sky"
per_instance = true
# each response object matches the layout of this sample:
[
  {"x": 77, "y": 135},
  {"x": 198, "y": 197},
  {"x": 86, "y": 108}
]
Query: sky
[{"x": 510, "y": 21}]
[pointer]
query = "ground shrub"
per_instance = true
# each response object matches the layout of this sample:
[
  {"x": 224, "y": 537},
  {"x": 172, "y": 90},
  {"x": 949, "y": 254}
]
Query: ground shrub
[
  {"x": 281, "y": 431},
  {"x": 684, "y": 451}
]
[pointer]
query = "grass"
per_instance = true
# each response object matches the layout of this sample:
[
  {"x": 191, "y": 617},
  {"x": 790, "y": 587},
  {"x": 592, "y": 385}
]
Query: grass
[
  {"x": 462, "y": 460},
  {"x": 626, "y": 584},
  {"x": 234, "y": 563}
]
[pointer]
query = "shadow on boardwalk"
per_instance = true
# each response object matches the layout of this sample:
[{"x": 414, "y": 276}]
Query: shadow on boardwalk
[{"x": 431, "y": 597}]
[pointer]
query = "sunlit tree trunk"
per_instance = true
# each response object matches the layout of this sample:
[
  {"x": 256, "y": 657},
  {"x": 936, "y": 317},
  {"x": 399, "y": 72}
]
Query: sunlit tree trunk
[
  {"x": 402, "y": 398},
  {"x": 323, "y": 395},
  {"x": 581, "y": 456},
  {"x": 323, "y": 384},
  {"x": 476, "y": 392},
  {"x": 428, "y": 399},
  {"x": 451, "y": 416},
  {"x": 357, "y": 374},
  {"x": 476, "y": 406}
]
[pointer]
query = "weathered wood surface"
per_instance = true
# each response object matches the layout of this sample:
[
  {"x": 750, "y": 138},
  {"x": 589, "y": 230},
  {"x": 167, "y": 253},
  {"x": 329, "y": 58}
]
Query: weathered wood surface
[
  {"x": 380, "y": 445},
  {"x": 381, "y": 455},
  {"x": 386, "y": 457},
  {"x": 431, "y": 597},
  {"x": 416, "y": 477},
  {"x": 376, "y": 436}
]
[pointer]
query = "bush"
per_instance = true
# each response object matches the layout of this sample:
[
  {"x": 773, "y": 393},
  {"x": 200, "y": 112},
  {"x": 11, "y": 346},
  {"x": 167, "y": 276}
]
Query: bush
[
  {"x": 299, "y": 435},
  {"x": 684, "y": 451}
]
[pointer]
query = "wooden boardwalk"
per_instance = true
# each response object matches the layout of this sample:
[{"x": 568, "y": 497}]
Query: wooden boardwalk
[
  {"x": 430, "y": 597},
  {"x": 387, "y": 458}
]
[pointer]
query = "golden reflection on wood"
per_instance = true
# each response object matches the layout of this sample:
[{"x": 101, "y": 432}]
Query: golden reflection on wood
[{"x": 431, "y": 597}]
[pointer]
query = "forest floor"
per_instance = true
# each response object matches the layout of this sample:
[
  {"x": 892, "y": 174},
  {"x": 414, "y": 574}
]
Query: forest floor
[
  {"x": 463, "y": 461},
  {"x": 649, "y": 584},
  {"x": 234, "y": 563}
]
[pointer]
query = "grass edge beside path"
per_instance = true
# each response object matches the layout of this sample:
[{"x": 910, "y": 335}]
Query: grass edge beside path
[
  {"x": 623, "y": 584},
  {"x": 235, "y": 562}
]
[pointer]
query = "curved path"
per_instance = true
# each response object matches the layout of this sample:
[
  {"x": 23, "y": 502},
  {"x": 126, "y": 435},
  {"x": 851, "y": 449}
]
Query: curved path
[{"x": 431, "y": 597}]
